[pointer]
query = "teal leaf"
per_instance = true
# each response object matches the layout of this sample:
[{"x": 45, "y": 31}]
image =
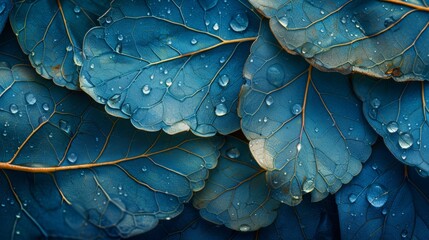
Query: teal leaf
[
  {"x": 61, "y": 151},
  {"x": 305, "y": 126},
  {"x": 236, "y": 194},
  {"x": 387, "y": 200},
  {"x": 384, "y": 39},
  {"x": 398, "y": 112},
  {"x": 51, "y": 34},
  {"x": 183, "y": 75},
  {"x": 5, "y": 8}
]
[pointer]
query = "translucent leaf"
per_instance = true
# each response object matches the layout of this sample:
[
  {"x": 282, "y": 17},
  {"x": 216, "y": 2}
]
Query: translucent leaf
[
  {"x": 379, "y": 38},
  {"x": 305, "y": 126},
  {"x": 60, "y": 151},
  {"x": 398, "y": 113},
  {"x": 51, "y": 34},
  {"x": 387, "y": 200},
  {"x": 183, "y": 75},
  {"x": 236, "y": 194}
]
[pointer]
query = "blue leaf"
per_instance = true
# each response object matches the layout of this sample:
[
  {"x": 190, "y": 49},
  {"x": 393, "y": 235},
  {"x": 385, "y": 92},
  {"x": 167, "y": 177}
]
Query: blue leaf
[
  {"x": 10, "y": 51},
  {"x": 398, "y": 113},
  {"x": 183, "y": 75},
  {"x": 305, "y": 126},
  {"x": 72, "y": 154},
  {"x": 384, "y": 39},
  {"x": 5, "y": 8},
  {"x": 236, "y": 194},
  {"x": 51, "y": 33},
  {"x": 386, "y": 200}
]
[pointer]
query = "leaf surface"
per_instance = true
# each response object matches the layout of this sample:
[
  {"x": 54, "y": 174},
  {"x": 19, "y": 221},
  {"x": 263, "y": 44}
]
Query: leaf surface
[
  {"x": 305, "y": 126},
  {"x": 51, "y": 33},
  {"x": 59, "y": 150},
  {"x": 185, "y": 75},
  {"x": 387, "y": 200},
  {"x": 379, "y": 38},
  {"x": 236, "y": 194}
]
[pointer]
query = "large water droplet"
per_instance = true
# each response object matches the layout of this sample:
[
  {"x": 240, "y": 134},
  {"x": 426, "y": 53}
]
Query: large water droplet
[
  {"x": 269, "y": 100},
  {"x": 296, "y": 109},
  {"x": 233, "y": 153},
  {"x": 275, "y": 75},
  {"x": 146, "y": 89},
  {"x": 72, "y": 157},
  {"x": 377, "y": 196},
  {"x": 223, "y": 80},
  {"x": 221, "y": 110},
  {"x": 375, "y": 103},
  {"x": 392, "y": 127},
  {"x": 239, "y": 22},
  {"x": 244, "y": 228},
  {"x": 308, "y": 185},
  {"x": 13, "y": 108},
  {"x": 284, "y": 21},
  {"x": 30, "y": 98},
  {"x": 352, "y": 198},
  {"x": 405, "y": 140}
]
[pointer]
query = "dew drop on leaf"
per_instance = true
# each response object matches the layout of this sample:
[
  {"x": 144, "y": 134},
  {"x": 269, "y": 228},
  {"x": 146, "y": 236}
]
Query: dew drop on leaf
[
  {"x": 239, "y": 22},
  {"x": 30, "y": 98},
  {"x": 392, "y": 127},
  {"x": 269, "y": 100},
  {"x": 13, "y": 108},
  {"x": 221, "y": 110},
  {"x": 244, "y": 228},
  {"x": 352, "y": 198},
  {"x": 64, "y": 125},
  {"x": 72, "y": 157},
  {"x": 284, "y": 21},
  {"x": 405, "y": 140},
  {"x": 223, "y": 80},
  {"x": 377, "y": 196},
  {"x": 146, "y": 89},
  {"x": 375, "y": 103},
  {"x": 233, "y": 153},
  {"x": 308, "y": 185},
  {"x": 296, "y": 109},
  {"x": 275, "y": 75}
]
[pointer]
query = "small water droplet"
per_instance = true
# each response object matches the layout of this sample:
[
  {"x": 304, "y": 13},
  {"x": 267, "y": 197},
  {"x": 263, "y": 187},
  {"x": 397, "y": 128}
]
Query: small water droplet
[
  {"x": 120, "y": 37},
  {"x": 221, "y": 110},
  {"x": 30, "y": 98},
  {"x": 146, "y": 89},
  {"x": 13, "y": 108},
  {"x": 69, "y": 48},
  {"x": 64, "y": 125},
  {"x": 298, "y": 147},
  {"x": 194, "y": 41},
  {"x": 239, "y": 22},
  {"x": 405, "y": 140},
  {"x": 269, "y": 100},
  {"x": 223, "y": 80},
  {"x": 168, "y": 82},
  {"x": 144, "y": 168},
  {"x": 92, "y": 66},
  {"x": 216, "y": 27},
  {"x": 222, "y": 60},
  {"x": 374, "y": 166},
  {"x": 375, "y": 103},
  {"x": 76, "y": 9},
  {"x": 244, "y": 228},
  {"x": 233, "y": 153},
  {"x": 284, "y": 21},
  {"x": 296, "y": 109},
  {"x": 392, "y": 127},
  {"x": 404, "y": 233},
  {"x": 376, "y": 195},
  {"x": 72, "y": 157},
  {"x": 308, "y": 185},
  {"x": 275, "y": 75},
  {"x": 45, "y": 107},
  {"x": 108, "y": 19},
  {"x": 352, "y": 198}
]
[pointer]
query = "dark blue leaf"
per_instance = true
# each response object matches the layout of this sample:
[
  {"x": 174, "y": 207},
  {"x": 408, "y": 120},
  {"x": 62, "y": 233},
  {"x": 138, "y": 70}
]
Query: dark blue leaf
[
  {"x": 5, "y": 7},
  {"x": 398, "y": 112},
  {"x": 387, "y": 200},
  {"x": 171, "y": 66},
  {"x": 305, "y": 126},
  {"x": 236, "y": 194},
  {"x": 51, "y": 33},
  {"x": 10, "y": 51},
  {"x": 384, "y": 39},
  {"x": 61, "y": 151}
]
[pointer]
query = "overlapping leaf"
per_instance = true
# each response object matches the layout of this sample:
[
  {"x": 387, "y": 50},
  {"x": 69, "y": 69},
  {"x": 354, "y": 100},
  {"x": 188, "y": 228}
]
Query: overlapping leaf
[
  {"x": 399, "y": 113},
  {"x": 386, "y": 201},
  {"x": 386, "y": 38},
  {"x": 236, "y": 194},
  {"x": 170, "y": 66},
  {"x": 51, "y": 33},
  {"x": 59, "y": 151},
  {"x": 305, "y": 127},
  {"x": 10, "y": 52}
]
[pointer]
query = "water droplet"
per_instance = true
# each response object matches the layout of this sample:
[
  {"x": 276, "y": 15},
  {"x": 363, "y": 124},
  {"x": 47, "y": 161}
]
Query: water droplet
[
  {"x": 221, "y": 110},
  {"x": 146, "y": 89},
  {"x": 233, "y": 153},
  {"x": 64, "y": 125},
  {"x": 375, "y": 103},
  {"x": 244, "y": 228},
  {"x": 30, "y": 98},
  {"x": 374, "y": 166},
  {"x": 316, "y": 130},
  {"x": 284, "y": 21},
  {"x": 308, "y": 185},
  {"x": 76, "y": 9},
  {"x": 373, "y": 113},
  {"x": 404, "y": 233},
  {"x": 69, "y": 48},
  {"x": 144, "y": 168},
  {"x": 392, "y": 127},
  {"x": 13, "y": 108},
  {"x": 376, "y": 195},
  {"x": 296, "y": 109},
  {"x": 108, "y": 19},
  {"x": 222, "y": 60},
  {"x": 352, "y": 198},
  {"x": 223, "y": 80},
  {"x": 118, "y": 47},
  {"x": 92, "y": 66},
  {"x": 269, "y": 100},
  {"x": 45, "y": 107},
  {"x": 216, "y": 27},
  {"x": 405, "y": 140},
  {"x": 275, "y": 75},
  {"x": 194, "y": 41},
  {"x": 208, "y": 4},
  {"x": 72, "y": 157},
  {"x": 384, "y": 211},
  {"x": 343, "y": 20},
  {"x": 239, "y": 22},
  {"x": 298, "y": 147},
  {"x": 168, "y": 82},
  {"x": 120, "y": 37}
]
